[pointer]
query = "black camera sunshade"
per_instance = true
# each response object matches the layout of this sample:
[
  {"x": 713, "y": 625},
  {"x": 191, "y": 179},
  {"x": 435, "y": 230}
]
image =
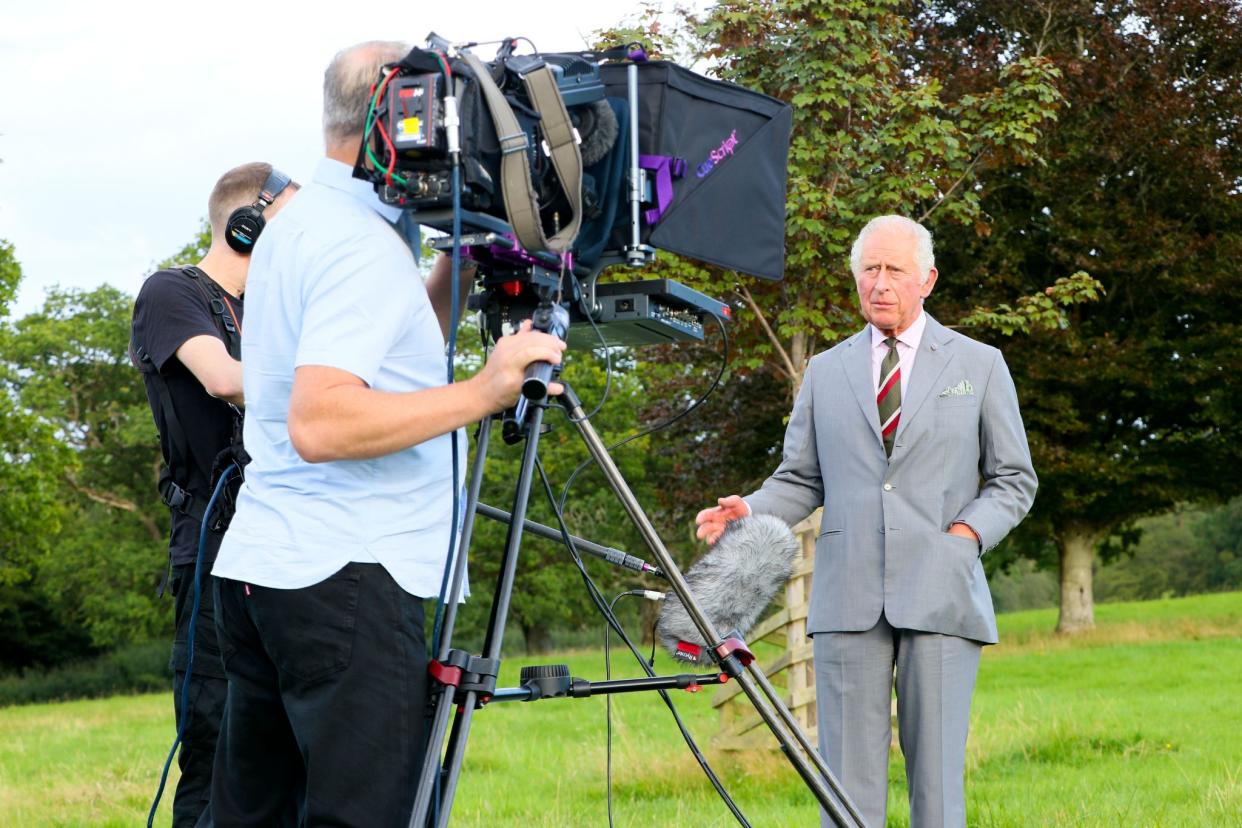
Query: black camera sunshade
[{"x": 727, "y": 205}]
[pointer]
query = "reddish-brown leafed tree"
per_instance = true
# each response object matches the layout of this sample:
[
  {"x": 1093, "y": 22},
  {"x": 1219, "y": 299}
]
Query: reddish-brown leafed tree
[{"x": 1134, "y": 407}]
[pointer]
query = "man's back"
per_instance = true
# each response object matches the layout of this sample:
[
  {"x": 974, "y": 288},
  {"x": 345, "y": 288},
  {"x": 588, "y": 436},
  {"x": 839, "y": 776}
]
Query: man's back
[
  {"x": 333, "y": 284},
  {"x": 169, "y": 310}
]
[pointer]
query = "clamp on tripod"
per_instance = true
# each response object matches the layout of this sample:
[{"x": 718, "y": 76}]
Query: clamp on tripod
[{"x": 464, "y": 683}]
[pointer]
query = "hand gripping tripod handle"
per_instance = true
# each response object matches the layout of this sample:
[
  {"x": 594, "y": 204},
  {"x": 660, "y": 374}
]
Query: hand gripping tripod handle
[{"x": 553, "y": 319}]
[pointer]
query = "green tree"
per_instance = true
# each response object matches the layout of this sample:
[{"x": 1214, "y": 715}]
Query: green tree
[
  {"x": 28, "y": 451},
  {"x": 1187, "y": 552},
  {"x": 71, "y": 373},
  {"x": 10, "y": 277},
  {"x": 1220, "y": 543},
  {"x": 32, "y": 462},
  {"x": 1133, "y": 408}
]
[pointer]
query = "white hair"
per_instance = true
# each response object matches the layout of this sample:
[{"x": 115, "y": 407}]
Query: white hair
[
  {"x": 924, "y": 259},
  {"x": 347, "y": 86}
]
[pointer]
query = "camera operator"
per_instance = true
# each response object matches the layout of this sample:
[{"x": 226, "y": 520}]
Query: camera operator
[
  {"x": 342, "y": 526},
  {"x": 185, "y": 339}
]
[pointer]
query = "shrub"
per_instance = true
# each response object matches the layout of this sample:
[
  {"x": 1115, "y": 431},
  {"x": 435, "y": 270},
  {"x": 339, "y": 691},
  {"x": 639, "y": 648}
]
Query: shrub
[{"x": 136, "y": 668}]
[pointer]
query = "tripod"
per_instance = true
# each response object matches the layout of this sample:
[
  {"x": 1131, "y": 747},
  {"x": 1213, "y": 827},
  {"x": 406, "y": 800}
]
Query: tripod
[{"x": 465, "y": 682}]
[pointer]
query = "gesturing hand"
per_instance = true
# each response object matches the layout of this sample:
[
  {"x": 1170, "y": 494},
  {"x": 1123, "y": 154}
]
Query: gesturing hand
[{"x": 712, "y": 521}]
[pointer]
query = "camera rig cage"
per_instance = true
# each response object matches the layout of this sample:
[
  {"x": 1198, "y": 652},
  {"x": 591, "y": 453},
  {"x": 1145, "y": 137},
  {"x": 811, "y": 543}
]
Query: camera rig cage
[{"x": 568, "y": 163}]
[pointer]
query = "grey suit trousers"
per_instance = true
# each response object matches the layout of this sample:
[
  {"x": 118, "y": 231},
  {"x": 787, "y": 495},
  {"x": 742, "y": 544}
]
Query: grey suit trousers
[{"x": 935, "y": 677}]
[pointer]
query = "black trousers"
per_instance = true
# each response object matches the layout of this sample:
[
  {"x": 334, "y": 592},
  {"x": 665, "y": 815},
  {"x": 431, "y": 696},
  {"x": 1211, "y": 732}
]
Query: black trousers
[
  {"x": 205, "y": 702},
  {"x": 327, "y": 689}
]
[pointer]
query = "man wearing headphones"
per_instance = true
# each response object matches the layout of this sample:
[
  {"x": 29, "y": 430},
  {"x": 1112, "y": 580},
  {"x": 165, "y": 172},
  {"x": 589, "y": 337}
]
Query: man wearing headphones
[{"x": 186, "y": 341}]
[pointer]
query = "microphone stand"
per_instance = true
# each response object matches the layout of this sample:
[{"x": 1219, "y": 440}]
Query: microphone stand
[
  {"x": 605, "y": 553},
  {"x": 464, "y": 682}
]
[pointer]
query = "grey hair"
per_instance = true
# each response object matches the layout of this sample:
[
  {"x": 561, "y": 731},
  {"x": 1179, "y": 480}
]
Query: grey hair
[
  {"x": 347, "y": 85},
  {"x": 924, "y": 259}
]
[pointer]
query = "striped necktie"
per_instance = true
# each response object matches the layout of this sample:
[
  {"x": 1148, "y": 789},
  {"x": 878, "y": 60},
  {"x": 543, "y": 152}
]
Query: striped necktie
[{"x": 888, "y": 397}]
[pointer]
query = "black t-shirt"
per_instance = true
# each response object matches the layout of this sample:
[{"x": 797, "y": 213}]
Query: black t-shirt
[{"x": 170, "y": 310}]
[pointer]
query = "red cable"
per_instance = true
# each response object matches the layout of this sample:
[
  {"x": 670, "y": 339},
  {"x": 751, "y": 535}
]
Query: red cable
[
  {"x": 392, "y": 153},
  {"x": 232, "y": 313},
  {"x": 392, "y": 157}
]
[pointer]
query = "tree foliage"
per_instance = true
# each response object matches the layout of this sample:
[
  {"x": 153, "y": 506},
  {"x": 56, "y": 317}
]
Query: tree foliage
[
  {"x": 32, "y": 461},
  {"x": 82, "y": 531},
  {"x": 73, "y": 376},
  {"x": 10, "y": 276},
  {"x": 1132, "y": 409},
  {"x": 1188, "y": 552}
]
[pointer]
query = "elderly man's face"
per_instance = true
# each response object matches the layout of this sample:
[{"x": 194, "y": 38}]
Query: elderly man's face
[{"x": 889, "y": 293}]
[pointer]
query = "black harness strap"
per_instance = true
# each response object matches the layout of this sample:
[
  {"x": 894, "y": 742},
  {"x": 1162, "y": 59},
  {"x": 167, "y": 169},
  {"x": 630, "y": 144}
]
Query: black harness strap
[
  {"x": 175, "y": 472},
  {"x": 221, "y": 310}
]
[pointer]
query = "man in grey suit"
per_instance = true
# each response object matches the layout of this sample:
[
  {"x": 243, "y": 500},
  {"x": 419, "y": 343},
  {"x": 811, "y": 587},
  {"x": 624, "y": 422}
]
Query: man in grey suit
[{"x": 909, "y": 436}]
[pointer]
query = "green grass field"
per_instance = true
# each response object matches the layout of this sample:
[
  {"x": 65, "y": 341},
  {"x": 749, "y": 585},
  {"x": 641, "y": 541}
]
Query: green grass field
[{"x": 1138, "y": 723}]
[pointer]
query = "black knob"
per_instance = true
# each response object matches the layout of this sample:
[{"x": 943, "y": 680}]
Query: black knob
[{"x": 546, "y": 681}]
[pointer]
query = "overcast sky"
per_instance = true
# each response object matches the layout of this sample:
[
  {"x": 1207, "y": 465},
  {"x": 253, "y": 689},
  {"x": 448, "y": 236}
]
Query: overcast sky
[{"x": 116, "y": 118}]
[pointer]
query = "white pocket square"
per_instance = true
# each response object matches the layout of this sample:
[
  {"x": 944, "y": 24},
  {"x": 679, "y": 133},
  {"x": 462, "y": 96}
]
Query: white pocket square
[{"x": 962, "y": 389}]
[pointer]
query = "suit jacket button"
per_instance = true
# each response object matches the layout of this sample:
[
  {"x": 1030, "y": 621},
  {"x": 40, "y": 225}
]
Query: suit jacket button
[{"x": 888, "y": 487}]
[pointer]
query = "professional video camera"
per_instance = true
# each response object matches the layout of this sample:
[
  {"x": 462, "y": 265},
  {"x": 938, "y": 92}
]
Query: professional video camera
[
  {"x": 568, "y": 163},
  {"x": 545, "y": 169}
]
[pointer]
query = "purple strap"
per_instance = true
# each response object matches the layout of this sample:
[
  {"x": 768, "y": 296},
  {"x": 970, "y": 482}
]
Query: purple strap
[{"x": 666, "y": 168}]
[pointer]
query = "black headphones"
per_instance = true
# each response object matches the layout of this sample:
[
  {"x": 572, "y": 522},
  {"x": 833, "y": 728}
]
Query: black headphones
[{"x": 246, "y": 223}]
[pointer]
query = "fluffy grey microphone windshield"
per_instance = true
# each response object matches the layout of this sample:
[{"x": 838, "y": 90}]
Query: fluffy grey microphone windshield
[
  {"x": 733, "y": 582},
  {"x": 597, "y": 129}
]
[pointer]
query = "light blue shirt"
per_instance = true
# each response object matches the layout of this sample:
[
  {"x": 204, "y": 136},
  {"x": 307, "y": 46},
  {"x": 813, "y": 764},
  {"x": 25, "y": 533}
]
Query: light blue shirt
[{"x": 332, "y": 283}]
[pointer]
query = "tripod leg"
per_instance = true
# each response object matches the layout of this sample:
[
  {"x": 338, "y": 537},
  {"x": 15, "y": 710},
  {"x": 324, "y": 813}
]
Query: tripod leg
[
  {"x": 787, "y": 717},
  {"x": 467, "y": 530},
  {"x": 504, "y": 586},
  {"x": 455, "y": 752},
  {"x": 832, "y": 797},
  {"x": 819, "y": 779},
  {"x": 441, "y": 696}
]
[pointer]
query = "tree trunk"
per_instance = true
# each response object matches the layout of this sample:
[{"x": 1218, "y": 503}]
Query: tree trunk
[
  {"x": 798, "y": 356},
  {"x": 538, "y": 639},
  {"x": 1077, "y": 547}
]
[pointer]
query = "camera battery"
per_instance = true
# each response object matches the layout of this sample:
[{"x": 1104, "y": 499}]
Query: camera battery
[{"x": 414, "y": 114}]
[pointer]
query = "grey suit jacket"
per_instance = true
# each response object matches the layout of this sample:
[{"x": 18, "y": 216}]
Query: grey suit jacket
[{"x": 960, "y": 454}]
